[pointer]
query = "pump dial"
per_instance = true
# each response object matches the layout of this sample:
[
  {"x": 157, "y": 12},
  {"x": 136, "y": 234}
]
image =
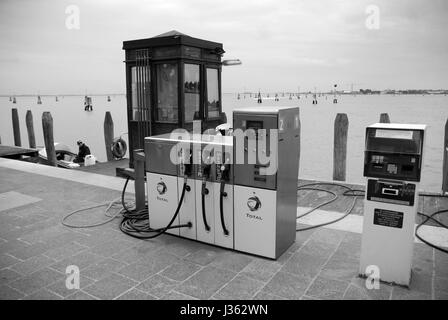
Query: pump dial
[
  {"x": 254, "y": 203},
  {"x": 161, "y": 187}
]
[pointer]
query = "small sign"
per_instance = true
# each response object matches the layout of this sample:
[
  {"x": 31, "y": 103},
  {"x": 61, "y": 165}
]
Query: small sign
[
  {"x": 388, "y": 218},
  {"x": 296, "y": 122},
  {"x": 281, "y": 126}
]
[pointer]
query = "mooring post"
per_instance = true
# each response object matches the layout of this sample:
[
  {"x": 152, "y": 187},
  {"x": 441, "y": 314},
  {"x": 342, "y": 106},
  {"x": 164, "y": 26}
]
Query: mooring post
[
  {"x": 109, "y": 135},
  {"x": 139, "y": 179},
  {"x": 16, "y": 127},
  {"x": 445, "y": 161},
  {"x": 30, "y": 129},
  {"x": 298, "y": 139},
  {"x": 384, "y": 118},
  {"x": 340, "y": 146},
  {"x": 47, "y": 126}
]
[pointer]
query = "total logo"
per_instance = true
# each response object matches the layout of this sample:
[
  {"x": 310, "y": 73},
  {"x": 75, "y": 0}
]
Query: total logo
[
  {"x": 161, "y": 189},
  {"x": 253, "y": 203}
]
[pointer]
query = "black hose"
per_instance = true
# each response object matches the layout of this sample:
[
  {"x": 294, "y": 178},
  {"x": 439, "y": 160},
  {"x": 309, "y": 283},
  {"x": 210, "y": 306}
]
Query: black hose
[
  {"x": 136, "y": 224},
  {"x": 359, "y": 193},
  {"x": 204, "y": 216},
  {"x": 222, "y": 194},
  {"x": 431, "y": 217},
  {"x": 348, "y": 190}
]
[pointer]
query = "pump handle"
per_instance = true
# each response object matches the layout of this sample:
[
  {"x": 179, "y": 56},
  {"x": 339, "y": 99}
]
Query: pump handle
[
  {"x": 222, "y": 194},
  {"x": 204, "y": 217}
]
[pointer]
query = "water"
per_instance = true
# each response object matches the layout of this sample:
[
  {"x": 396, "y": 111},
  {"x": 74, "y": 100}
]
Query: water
[{"x": 71, "y": 123}]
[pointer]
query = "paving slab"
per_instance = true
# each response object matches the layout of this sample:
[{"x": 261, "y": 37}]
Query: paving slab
[
  {"x": 36, "y": 281},
  {"x": 239, "y": 288},
  {"x": 110, "y": 287},
  {"x": 181, "y": 271},
  {"x": 328, "y": 289},
  {"x": 135, "y": 294},
  {"x": 157, "y": 285},
  {"x": 13, "y": 199},
  {"x": 288, "y": 285},
  {"x": 205, "y": 283}
]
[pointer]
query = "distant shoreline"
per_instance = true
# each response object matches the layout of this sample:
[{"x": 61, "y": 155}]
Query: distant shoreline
[{"x": 285, "y": 93}]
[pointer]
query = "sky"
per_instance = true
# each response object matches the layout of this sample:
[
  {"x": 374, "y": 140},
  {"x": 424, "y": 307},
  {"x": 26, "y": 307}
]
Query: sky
[{"x": 283, "y": 44}]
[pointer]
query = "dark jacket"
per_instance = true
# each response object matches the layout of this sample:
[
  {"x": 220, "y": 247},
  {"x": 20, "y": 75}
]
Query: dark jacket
[{"x": 83, "y": 151}]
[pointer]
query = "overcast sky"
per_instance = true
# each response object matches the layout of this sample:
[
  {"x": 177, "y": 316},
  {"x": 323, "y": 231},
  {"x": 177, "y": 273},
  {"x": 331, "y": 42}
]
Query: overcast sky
[{"x": 283, "y": 44}]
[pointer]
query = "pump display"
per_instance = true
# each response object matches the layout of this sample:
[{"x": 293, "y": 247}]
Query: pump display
[{"x": 392, "y": 165}]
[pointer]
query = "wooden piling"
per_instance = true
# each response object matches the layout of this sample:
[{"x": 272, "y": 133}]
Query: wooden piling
[
  {"x": 109, "y": 135},
  {"x": 16, "y": 127},
  {"x": 445, "y": 161},
  {"x": 340, "y": 146},
  {"x": 47, "y": 126},
  {"x": 384, "y": 118},
  {"x": 30, "y": 129},
  {"x": 299, "y": 142}
]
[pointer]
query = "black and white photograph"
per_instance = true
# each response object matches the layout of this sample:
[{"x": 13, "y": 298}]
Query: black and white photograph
[{"x": 224, "y": 154}]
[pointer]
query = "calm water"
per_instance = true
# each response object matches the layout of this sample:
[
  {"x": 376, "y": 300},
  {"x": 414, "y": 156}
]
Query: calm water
[{"x": 71, "y": 122}]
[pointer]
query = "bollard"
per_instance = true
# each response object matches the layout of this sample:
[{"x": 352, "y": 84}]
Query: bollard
[
  {"x": 340, "y": 146},
  {"x": 384, "y": 118},
  {"x": 30, "y": 129},
  {"x": 16, "y": 127},
  {"x": 109, "y": 135},
  {"x": 445, "y": 161},
  {"x": 47, "y": 126}
]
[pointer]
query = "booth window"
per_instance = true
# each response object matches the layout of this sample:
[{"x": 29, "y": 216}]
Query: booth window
[
  {"x": 191, "y": 91},
  {"x": 140, "y": 92},
  {"x": 213, "y": 103},
  {"x": 167, "y": 94}
]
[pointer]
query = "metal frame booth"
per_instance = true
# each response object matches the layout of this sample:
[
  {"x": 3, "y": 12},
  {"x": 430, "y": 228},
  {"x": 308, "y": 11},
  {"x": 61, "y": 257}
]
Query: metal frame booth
[{"x": 171, "y": 80}]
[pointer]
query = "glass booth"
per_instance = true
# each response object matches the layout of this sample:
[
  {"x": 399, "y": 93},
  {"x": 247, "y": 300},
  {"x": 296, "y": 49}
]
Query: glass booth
[{"x": 171, "y": 80}]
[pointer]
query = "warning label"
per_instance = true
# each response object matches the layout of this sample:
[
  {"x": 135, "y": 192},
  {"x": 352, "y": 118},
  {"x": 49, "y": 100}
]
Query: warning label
[{"x": 388, "y": 218}]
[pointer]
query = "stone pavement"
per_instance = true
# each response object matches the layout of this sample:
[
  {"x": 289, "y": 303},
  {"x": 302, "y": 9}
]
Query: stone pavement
[{"x": 35, "y": 250}]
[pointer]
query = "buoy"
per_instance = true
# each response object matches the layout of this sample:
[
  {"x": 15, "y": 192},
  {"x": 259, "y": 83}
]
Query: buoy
[
  {"x": 108, "y": 98},
  {"x": 238, "y": 96},
  {"x": 10, "y": 99},
  {"x": 119, "y": 148},
  {"x": 259, "y": 98},
  {"x": 39, "y": 101},
  {"x": 14, "y": 100}
]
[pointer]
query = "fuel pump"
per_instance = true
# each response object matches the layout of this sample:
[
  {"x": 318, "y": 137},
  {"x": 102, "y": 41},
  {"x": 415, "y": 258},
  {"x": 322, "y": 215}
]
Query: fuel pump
[
  {"x": 204, "y": 194},
  {"x": 265, "y": 196},
  {"x": 166, "y": 181},
  {"x": 223, "y": 192},
  {"x": 186, "y": 176},
  {"x": 393, "y": 161}
]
